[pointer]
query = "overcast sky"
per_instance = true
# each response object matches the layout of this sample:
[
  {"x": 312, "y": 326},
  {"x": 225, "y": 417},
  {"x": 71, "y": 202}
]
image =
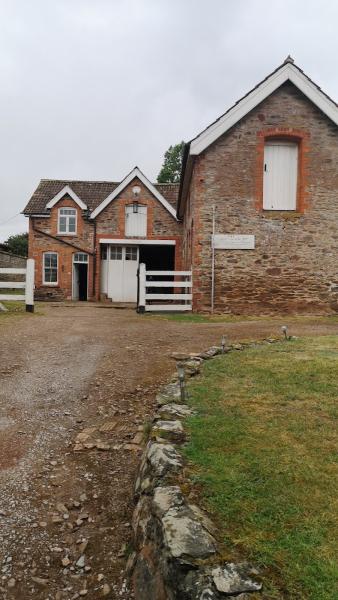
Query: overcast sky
[{"x": 90, "y": 88}]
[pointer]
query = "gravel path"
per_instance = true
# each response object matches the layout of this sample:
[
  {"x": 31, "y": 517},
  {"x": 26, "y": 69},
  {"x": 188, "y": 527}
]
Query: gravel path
[{"x": 89, "y": 370}]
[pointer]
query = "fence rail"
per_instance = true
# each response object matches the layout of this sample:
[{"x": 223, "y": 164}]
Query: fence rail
[
  {"x": 164, "y": 295},
  {"x": 27, "y": 285}
]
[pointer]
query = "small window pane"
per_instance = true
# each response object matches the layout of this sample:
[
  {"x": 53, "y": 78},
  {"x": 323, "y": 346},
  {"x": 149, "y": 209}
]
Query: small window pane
[
  {"x": 116, "y": 252},
  {"x": 80, "y": 257},
  {"x": 63, "y": 224},
  {"x": 131, "y": 253},
  {"x": 71, "y": 225},
  {"x": 104, "y": 252}
]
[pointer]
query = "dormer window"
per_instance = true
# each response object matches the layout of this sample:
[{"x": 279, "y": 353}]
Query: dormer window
[{"x": 67, "y": 221}]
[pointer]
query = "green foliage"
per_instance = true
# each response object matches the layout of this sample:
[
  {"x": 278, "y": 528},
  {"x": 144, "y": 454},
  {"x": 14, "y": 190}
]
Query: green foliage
[
  {"x": 172, "y": 164},
  {"x": 263, "y": 450},
  {"x": 18, "y": 244}
]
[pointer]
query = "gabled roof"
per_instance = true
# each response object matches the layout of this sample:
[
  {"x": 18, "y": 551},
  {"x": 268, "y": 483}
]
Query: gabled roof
[
  {"x": 287, "y": 71},
  {"x": 91, "y": 193},
  {"x": 126, "y": 181},
  {"x": 66, "y": 190}
]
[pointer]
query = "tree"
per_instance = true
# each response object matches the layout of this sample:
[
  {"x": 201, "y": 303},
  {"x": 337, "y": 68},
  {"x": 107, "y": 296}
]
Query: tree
[
  {"x": 18, "y": 244},
  {"x": 172, "y": 164}
]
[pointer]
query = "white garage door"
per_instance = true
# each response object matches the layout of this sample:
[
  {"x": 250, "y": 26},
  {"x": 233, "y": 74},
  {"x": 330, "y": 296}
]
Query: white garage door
[{"x": 122, "y": 273}]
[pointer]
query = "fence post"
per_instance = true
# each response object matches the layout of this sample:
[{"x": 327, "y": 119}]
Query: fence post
[
  {"x": 142, "y": 288},
  {"x": 29, "y": 290}
]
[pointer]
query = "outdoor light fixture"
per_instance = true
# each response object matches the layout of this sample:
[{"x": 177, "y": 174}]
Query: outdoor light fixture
[
  {"x": 181, "y": 379},
  {"x": 136, "y": 190},
  {"x": 284, "y": 329},
  {"x": 223, "y": 343},
  {"x": 135, "y": 207}
]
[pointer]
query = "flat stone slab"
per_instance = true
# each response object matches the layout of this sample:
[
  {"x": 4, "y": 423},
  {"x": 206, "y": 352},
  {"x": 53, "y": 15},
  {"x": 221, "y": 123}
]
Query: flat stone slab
[
  {"x": 163, "y": 459},
  {"x": 168, "y": 430},
  {"x": 211, "y": 352},
  {"x": 234, "y": 579},
  {"x": 185, "y": 536},
  {"x": 166, "y": 498},
  {"x": 174, "y": 411},
  {"x": 169, "y": 393}
]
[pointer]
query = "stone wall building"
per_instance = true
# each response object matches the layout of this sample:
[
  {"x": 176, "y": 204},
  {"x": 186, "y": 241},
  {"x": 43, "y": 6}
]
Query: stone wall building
[
  {"x": 268, "y": 171},
  {"x": 256, "y": 218}
]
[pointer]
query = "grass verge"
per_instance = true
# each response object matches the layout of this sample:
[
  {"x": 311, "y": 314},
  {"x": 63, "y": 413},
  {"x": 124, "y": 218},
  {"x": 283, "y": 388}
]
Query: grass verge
[
  {"x": 263, "y": 449},
  {"x": 200, "y": 318}
]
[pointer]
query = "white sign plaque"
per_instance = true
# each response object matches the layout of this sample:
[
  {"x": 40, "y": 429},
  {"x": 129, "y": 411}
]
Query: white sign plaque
[{"x": 233, "y": 242}]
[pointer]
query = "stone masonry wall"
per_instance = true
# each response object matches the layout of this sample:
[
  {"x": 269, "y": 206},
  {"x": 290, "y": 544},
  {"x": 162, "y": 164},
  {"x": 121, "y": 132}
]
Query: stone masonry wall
[
  {"x": 294, "y": 265},
  {"x": 177, "y": 555}
]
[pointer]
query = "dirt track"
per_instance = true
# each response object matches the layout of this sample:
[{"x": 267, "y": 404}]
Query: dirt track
[{"x": 68, "y": 369}]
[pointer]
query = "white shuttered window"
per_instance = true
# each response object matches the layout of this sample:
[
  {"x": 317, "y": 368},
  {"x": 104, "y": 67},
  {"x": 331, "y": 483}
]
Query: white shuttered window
[
  {"x": 136, "y": 220},
  {"x": 280, "y": 175}
]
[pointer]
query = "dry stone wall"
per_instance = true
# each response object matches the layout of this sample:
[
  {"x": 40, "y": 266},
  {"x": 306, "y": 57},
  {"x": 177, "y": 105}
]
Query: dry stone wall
[{"x": 177, "y": 555}]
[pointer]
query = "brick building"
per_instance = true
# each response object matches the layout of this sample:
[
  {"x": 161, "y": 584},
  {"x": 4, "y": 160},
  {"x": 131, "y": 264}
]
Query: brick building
[
  {"x": 88, "y": 238},
  {"x": 256, "y": 216}
]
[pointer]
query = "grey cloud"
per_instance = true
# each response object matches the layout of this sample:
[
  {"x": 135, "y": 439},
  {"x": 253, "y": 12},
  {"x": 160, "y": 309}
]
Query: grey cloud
[{"x": 89, "y": 89}]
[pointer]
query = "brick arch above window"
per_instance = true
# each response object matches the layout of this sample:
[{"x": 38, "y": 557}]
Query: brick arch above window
[{"x": 287, "y": 134}]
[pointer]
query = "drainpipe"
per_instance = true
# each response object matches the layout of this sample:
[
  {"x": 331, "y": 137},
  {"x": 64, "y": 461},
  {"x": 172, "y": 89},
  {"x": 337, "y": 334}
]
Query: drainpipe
[
  {"x": 213, "y": 260},
  {"x": 94, "y": 261}
]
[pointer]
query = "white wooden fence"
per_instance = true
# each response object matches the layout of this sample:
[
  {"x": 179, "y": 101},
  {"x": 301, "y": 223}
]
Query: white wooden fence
[
  {"x": 159, "y": 290},
  {"x": 27, "y": 285}
]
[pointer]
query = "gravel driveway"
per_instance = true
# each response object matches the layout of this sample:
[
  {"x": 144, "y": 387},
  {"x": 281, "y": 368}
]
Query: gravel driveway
[{"x": 77, "y": 383}]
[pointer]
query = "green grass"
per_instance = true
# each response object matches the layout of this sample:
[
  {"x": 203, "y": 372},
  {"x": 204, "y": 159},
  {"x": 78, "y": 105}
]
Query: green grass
[
  {"x": 263, "y": 450},
  {"x": 225, "y": 318},
  {"x": 16, "y": 308}
]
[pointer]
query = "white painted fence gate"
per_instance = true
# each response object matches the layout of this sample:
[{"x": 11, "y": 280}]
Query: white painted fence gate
[
  {"x": 27, "y": 284},
  {"x": 164, "y": 290}
]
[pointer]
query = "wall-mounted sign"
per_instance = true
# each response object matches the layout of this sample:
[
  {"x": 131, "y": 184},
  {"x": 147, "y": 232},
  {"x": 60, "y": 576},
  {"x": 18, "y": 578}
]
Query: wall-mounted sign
[{"x": 233, "y": 242}]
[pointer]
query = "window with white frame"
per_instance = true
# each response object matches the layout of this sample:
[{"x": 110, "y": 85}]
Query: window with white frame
[
  {"x": 80, "y": 257},
  {"x": 67, "y": 221},
  {"x": 50, "y": 268}
]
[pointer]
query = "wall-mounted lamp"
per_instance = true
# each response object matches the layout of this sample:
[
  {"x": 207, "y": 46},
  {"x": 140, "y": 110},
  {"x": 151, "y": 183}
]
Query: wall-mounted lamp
[{"x": 136, "y": 190}]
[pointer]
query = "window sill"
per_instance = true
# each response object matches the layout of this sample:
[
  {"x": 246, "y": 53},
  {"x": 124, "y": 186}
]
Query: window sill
[
  {"x": 281, "y": 214},
  {"x": 66, "y": 234},
  {"x": 50, "y": 285}
]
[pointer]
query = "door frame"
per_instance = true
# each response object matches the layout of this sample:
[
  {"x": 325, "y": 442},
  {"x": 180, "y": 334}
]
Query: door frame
[
  {"x": 123, "y": 261},
  {"x": 77, "y": 262}
]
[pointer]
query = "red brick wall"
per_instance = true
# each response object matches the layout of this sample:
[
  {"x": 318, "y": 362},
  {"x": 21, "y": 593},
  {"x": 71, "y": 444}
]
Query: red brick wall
[
  {"x": 110, "y": 223},
  {"x": 40, "y": 243},
  {"x": 294, "y": 265},
  {"x": 161, "y": 225}
]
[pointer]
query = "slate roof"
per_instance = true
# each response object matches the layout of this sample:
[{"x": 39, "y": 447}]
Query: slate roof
[{"x": 92, "y": 193}]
